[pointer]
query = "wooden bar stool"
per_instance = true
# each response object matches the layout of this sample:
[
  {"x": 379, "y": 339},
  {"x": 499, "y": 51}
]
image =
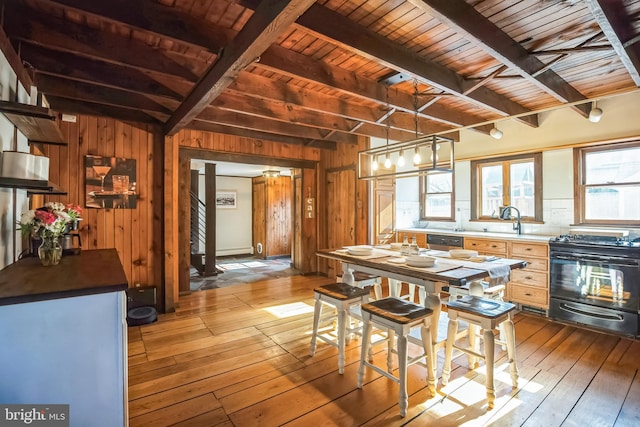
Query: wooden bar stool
[
  {"x": 341, "y": 297},
  {"x": 487, "y": 314},
  {"x": 395, "y": 290},
  {"x": 398, "y": 317},
  {"x": 492, "y": 292},
  {"x": 364, "y": 280}
]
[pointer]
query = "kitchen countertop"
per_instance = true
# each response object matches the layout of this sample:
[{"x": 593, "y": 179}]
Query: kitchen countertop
[
  {"x": 482, "y": 234},
  {"x": 91, "y": 272}
]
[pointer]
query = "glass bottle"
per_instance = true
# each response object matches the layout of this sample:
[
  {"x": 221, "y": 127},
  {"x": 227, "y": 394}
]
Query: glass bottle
[
  {"x": 413, "y": 248},
  {"x": 405, "y": 245}
]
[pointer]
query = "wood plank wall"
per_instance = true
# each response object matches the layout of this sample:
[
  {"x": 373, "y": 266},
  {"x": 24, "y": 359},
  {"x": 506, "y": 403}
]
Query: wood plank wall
[
  {"x": 342, "y": 164},
  {"x": 130, "y": 231}
]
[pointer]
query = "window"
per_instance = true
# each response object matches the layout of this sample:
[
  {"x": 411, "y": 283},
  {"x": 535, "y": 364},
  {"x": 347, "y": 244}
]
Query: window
[
  {"x": 507, "y": 181},
  {"x": 437, "y": 196},
  {"x": 608, "y": 184}
]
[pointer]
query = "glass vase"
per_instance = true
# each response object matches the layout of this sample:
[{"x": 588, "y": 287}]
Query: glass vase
[{"x": 50, "y": 251}]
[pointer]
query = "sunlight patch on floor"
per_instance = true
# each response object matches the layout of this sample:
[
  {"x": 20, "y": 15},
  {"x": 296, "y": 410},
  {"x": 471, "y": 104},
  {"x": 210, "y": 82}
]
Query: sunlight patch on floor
[{"x": 289, "y": 310}]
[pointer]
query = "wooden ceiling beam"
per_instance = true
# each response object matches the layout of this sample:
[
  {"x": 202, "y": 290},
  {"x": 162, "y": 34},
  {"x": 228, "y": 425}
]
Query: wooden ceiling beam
[
  {"x": 65, "y": 105},
  {"x": 613, "y": 18},
  {"x": 334, "y": 27},
  {"x": 64, "y": 36},
  {"x": 269, "y": 20},
  {"x": 283, "y": 61},
  {"x": 238, "y": 119},
  {"x": 81, "y": 91},
  {"x": 473, "y": 26},
  {"x": 152, "y": 17},
  {"x": 260, "y": 135},
  {"x": 74, "y": 67}
]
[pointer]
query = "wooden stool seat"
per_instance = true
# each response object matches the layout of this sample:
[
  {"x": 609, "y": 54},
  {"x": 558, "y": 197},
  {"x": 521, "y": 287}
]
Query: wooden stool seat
[
  {"x": 488, "y": 314},
  {"x": 365, "y": 280},
  {"x": 342, "y": 297},
  {"x": 398, "y": 317}
]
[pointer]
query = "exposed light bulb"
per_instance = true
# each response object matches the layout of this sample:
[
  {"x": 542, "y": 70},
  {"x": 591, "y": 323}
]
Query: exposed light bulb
[
  {"x": 437, "y": 158},
  {"x": 416, "y": 157},
  {"x": 387, "y": 162},
  {"x": 401, "y": 159},
  {"x": 374, "y": 164},
  {"x": 496, "y": 133}
]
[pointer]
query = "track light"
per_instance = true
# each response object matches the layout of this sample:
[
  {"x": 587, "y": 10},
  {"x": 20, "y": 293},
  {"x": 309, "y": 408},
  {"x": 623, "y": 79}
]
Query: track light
[
  {"x": 496, "y": 133},
  {"x": 595, "y": 114}
]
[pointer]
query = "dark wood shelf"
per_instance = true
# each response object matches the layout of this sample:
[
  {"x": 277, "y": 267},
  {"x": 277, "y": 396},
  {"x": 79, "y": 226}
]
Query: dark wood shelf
[
  {"x": 38, "y": 124},
  {"x": 32, "y": 186}
]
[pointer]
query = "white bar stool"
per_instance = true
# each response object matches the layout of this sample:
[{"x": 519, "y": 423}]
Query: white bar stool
[
  {"x": 365, "y": 280},
  {"x": 397, "y": 316},
  {"x": 487, "y": 314},
  {"x": 341, "y": 297}
]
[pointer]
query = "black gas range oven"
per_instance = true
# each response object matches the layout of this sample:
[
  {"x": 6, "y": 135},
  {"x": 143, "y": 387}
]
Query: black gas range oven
[{"x": 595, "y": 281}]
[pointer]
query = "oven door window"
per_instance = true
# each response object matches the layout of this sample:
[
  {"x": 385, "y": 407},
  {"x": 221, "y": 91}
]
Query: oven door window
[{"x": 606, "y": 284}]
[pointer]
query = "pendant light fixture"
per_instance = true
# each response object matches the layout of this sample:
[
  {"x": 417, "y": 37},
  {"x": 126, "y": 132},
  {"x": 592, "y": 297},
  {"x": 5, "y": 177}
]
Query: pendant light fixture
[{"x": 368, "y": 167}]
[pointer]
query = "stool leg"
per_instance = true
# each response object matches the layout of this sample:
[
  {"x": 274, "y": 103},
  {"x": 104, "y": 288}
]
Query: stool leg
[
  {"x": 366, "y": 343},
  {"x": 342, "y": 318},
  {"x": 394, "y": 288},
  {"x": 452, "y": 330},
  {"x": 509, "y": 333},
  {"x": 377, "y": 290},
  {"x": 427, "y": 344},
  {"x": 412, "y": 291},
  {"x": 390, "y": 342},
  {"x": 317, "y": 311},
  {"x": 422, "y": 295},
  {"x": 402, "y": 371},
  {"x": 489, "y": 356},
  {"x": 473, "y": 344}
]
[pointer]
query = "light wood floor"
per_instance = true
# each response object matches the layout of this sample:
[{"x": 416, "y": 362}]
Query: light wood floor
[{"x": 239, "y": 356}]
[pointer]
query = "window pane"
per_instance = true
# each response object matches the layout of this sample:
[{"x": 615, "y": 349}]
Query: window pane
[
  {"x": 492, "y": 191},
  {"x": 612, "y": 203},
  {"x": 438, "y": 205},
  {"x": 439, "y": 183},
  {"x": 613, "y": 166},
  {"x": 523, "y": 188}
]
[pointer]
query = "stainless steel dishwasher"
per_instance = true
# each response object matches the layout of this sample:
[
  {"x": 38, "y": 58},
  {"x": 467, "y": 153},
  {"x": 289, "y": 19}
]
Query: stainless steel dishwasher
[{"x": 444, "y": 242}]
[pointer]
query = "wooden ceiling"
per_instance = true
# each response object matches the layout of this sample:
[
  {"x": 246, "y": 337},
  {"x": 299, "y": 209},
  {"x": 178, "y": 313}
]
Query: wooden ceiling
[{"x": 322, "y": 73}]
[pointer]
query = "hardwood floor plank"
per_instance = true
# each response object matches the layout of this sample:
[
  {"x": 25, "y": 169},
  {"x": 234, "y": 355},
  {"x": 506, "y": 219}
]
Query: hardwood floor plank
[
  {"x": 172, "y": 396},
  {"x": 176, "y": 413},
  {"x": 239, "y": 356},
  {"x": 557, "y": 405},
  {"x": 607, "y": 392},
  {"x": 630, "y": 412}
]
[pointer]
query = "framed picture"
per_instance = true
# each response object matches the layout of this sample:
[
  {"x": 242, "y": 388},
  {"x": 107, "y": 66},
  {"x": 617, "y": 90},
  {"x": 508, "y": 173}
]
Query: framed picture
[
  {"x": 226, "y": 199},
  {"x": 110, "y": 182}
]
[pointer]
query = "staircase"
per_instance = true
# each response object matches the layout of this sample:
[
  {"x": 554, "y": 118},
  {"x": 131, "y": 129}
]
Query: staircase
[{"x": 198, "y": 228}]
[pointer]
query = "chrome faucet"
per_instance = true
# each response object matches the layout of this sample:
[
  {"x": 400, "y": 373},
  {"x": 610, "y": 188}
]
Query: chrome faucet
[{"x": 505, "y": 214}]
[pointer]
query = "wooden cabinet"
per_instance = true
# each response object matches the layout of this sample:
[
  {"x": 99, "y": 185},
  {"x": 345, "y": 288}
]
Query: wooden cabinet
[
  {"x": 530, "y": 285},
  {"x": 487, "y": 246}
]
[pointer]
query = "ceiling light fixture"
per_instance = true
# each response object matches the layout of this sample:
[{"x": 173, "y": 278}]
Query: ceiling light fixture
[
  {"x": 496, "y": 133},
  {"x": 368, "y": 167},
  {"x": 271, "y": 173},
  {"x": 595, "y": 114}
]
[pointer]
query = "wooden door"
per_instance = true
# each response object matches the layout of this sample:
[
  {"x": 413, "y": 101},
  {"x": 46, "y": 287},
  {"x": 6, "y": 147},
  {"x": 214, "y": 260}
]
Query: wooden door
[
  {"x": 341, "y": 212},
  {"x": 384, "y": 211},
  {"x": 259, "y": 204}
]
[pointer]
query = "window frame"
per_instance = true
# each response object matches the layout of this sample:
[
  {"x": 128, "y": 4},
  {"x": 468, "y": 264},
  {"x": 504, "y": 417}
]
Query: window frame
[
  {"x": 580, "y": 186},
  {"x": 506, "y": 161},
  {"x": 423, "y": 198}
]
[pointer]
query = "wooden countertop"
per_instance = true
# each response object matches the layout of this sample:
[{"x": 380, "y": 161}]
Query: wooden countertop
[
  {"x": 91, "y": 272},
  {"x": 479, "y": 234}
]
